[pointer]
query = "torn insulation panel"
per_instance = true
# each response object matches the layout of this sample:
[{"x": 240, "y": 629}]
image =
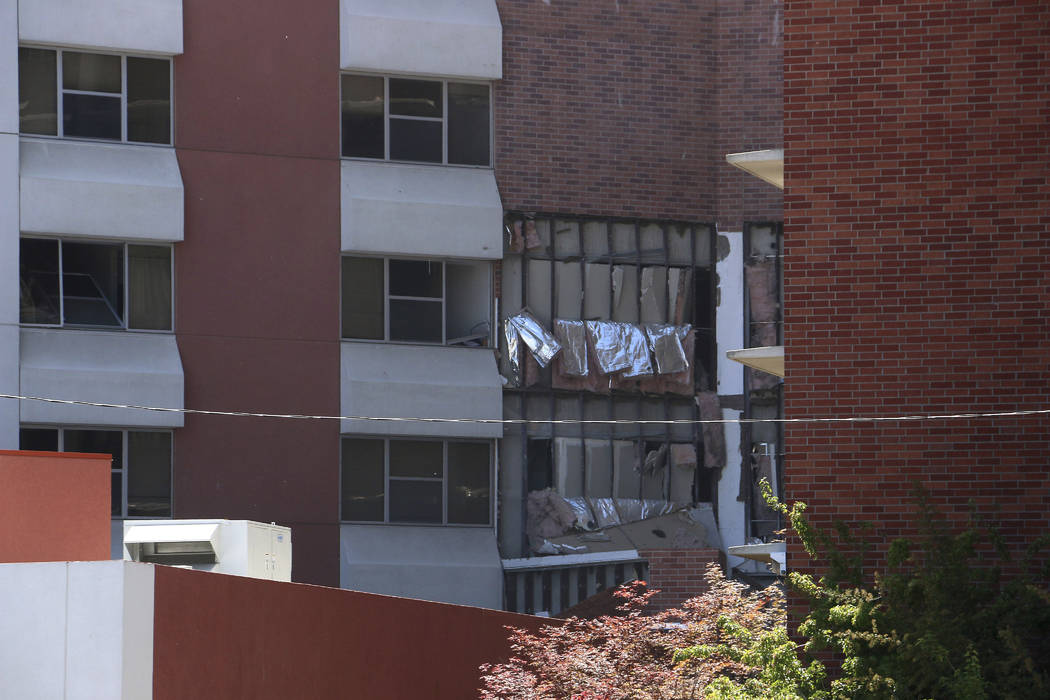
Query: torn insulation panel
[
  {"x": 542, "y": 344},
  {"x": 573, "y": 338},
  {"x": 714, "y": 434}
]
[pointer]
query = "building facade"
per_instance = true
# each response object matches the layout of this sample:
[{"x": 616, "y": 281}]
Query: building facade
[
  {"x": 332, "y": 209},
  {"x": 917, "y": 262}
]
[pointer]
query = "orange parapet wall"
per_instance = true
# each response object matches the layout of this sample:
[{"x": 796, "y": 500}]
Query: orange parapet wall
[{"x": 54, "y": 506}]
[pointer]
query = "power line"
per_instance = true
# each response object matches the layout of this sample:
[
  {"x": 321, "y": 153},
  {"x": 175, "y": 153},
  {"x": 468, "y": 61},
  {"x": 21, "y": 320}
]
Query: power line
[{"x": 531, "y": 421}]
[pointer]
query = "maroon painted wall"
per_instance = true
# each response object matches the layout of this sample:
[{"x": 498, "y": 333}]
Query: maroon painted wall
[
  {"x": 54, "y": 506},
  {"x": 607, "y": 108},
  {"x": 219, "y": 636},
  {"x": 749, "y": 106},
  {"x": 917, "y": 271},
  {"x": 257, "y": 277}
]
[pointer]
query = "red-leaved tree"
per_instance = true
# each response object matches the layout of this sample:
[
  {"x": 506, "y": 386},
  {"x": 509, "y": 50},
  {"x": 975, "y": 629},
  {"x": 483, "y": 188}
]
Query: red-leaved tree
[{"x": 630, "y": 655}]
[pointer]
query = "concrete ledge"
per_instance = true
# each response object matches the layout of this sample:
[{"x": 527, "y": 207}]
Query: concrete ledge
[
  {"x": 449, "y": 38},
  {"x": 146, "y": 26}
]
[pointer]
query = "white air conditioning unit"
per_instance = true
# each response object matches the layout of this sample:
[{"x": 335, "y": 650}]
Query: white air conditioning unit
[{"x": 239, "y": 547}]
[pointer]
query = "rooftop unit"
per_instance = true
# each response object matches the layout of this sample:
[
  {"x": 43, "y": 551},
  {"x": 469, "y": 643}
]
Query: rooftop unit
[{"x": 238, "y": 547}]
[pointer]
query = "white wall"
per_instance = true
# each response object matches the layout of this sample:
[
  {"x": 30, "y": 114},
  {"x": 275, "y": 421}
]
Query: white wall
[
  {"x": 110, "y": 190},
  {"x": 444, "y": 564},
  {"x": 453, "y": 38},
  {"x": 141, "y": 369},
  {"x": 440, "y": 211},
  {"x": 9, "y": 290},
  {"x": 76, "y": 631},
  {"x": 419, "y": 381},
  {"x": 146, "y": 26},
  {"x": 730, "y": 330}
]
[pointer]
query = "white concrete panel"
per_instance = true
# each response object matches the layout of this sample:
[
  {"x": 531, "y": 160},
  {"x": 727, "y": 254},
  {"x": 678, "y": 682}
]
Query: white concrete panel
[
  {"x": 94, "y": 630},
  {"x": 32, "y": 630},
  {"x": 732, "y": 517},
  {"x": 730, "y": 329},
  {"x": 8, "y": 226},
  {"x": 8, "y": 67},
  {"x": 440, "y": 211},
  {"x": 150, "y": 26},
  {"x": 445, "y": 564},
  {"x": 142, "y": 369},
  {"x": 112, "y": 190},
  {"x": 137, "y": 641},
  {"x": 9, "y": 289},
  {"x": 9, "y": 408},
  {"x": 418, "y": 381},
  {"x": 453, "y": 38}
]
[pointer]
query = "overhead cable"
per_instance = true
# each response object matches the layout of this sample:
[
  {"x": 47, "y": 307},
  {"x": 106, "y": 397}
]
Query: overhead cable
[{"x": 532, "y": 421}]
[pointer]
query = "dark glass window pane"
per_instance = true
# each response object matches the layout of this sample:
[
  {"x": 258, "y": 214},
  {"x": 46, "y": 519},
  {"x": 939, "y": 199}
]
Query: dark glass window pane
[
  {"x": 93, "y": 283},
  {"x": 91, "y": 72},
  {"x": 149, "y": 474},
  {"x": 363, "y": 298},
  {"x": 415, "y": 501},
  {"x": 105, "y": 442},
  {"x": 468, "y": 483},
  {"x": 39, "y": 439},
  {"x": 149, "y": 287},
  {"x": 419, "y": 458},
  {"x": 149, "y": 100},
  {"x": 38, "y": 281},
  {"x": 468, "y": 124},
  {"x": 416, "y": 321},
  {"x": 362, "y": 116},
  {"x": 415, "y": 98},
  {"x": 416, "y": 278},
  {"x": 91, "y": 116},
  {"x": 37, "y": 91},
  {"x": 415, "y": 140},
  {"x": 116, "y": 495},
  {"x": 362, "y": 482}
]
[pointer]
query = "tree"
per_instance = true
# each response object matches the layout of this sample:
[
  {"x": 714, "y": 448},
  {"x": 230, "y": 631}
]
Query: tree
[{"x": 632, "y": 655}]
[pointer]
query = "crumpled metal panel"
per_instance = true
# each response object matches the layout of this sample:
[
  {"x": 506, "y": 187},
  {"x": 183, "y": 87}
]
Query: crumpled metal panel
[
  {"x": 573, "y": 336},
  {"x": 620, "y": 346},
  {"x": 637, "y": 352},
  {"x": 584, "y": 517},
  {"x": 665, "y": 343},
  {"x": 510, "y": 333},
  {"x": 541, "y": 343},
  {"x": 605, "y": 513}
]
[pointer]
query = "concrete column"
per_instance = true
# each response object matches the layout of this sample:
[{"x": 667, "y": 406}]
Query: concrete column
[{"x": 8, "y": 222}]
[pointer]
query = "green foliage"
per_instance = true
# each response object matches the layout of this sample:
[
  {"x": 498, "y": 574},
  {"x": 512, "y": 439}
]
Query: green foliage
[{"x": 938, "y": 621}]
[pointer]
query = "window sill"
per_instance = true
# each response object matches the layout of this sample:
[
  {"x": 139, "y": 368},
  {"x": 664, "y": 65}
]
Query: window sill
[
  {"x": 416, "y": 163},
  {"x": 50, "y": 138}
]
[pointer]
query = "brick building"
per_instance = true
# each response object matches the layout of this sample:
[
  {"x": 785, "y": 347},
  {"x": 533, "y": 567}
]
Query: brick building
[
  {"x": 917, "y": 268},
  {"x": 331, "y": 209}
]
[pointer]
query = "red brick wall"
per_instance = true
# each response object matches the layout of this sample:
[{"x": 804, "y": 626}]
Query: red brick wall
[
  {"x": 917, "y": 267},
  {"x": 607, "y": 107},
  {"x": 678, "y": 574},
  {"x": 749, "y": 105}
]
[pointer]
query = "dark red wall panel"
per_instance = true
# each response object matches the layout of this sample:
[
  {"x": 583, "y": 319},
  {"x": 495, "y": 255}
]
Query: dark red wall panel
[
  {"x": 917, "y": 269},
  {"x": 218, "y": 636},
  {"x": 257, "y": 277}
]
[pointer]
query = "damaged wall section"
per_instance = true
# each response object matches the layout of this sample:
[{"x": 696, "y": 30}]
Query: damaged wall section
[
  {"x": 762, "y": 443},
  {"x": 604, "y": 319}
]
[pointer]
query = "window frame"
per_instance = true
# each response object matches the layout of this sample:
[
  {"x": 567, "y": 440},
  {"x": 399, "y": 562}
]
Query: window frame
[
  {"x": 60, "y": 91},
  {"x": 123, "y": 470},
  {"x": 489, "y": 341},
  {"x": 124, "y": 327},
  {"x": 443, "y": 119},
  {"x": 444, "y": 480}
]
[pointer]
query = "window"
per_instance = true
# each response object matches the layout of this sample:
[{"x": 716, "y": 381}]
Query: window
[
  {"x": 416, "y": 481},
  {"x": 96, "y": 285},
  {"x": 415, "y": 300},
  {"x": 94, "y": 96},
  {"x": 141, "y": 470},
  {"x": 427, "y": 121}
]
